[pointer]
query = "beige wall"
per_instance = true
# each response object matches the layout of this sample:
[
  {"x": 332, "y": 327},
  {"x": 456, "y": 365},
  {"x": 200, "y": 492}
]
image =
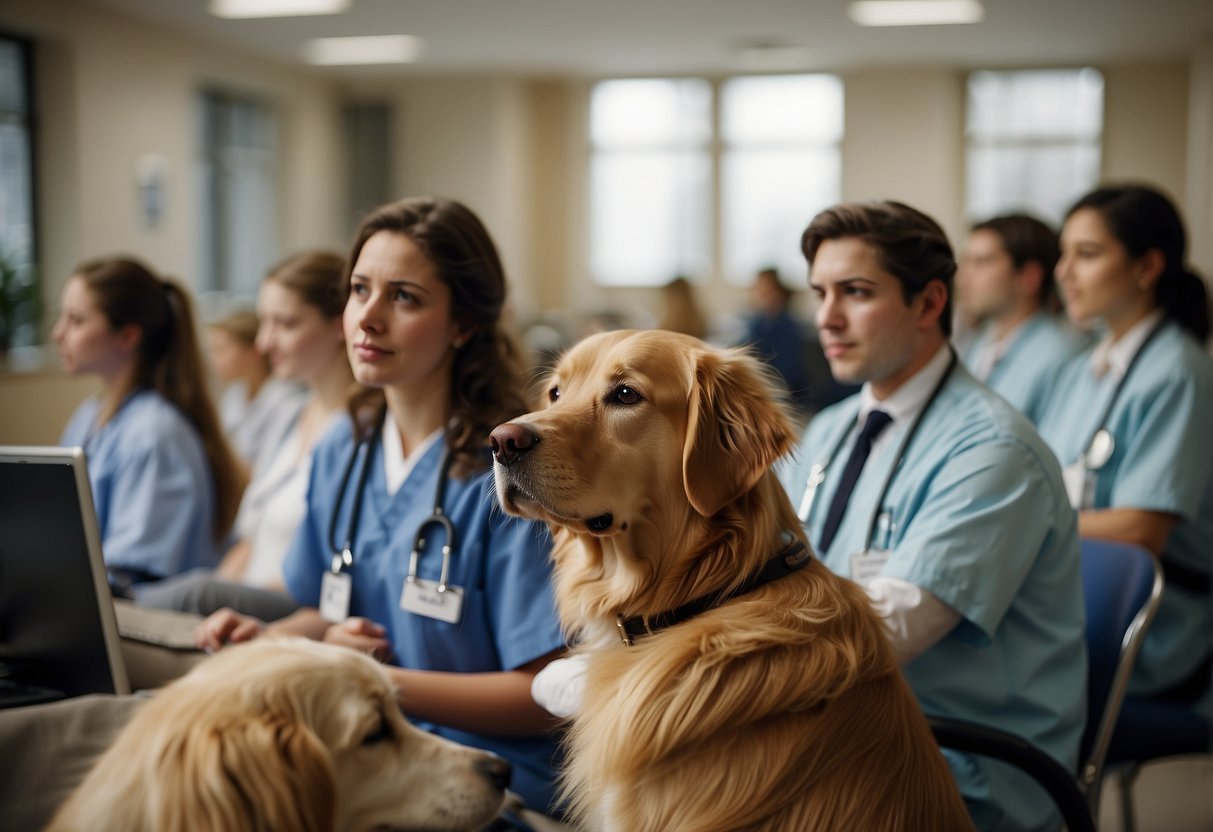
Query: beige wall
[
  {"x": 904, "y": 140},
  {"x": 112, "y": 92},
  {"x": 1200, "y": 161},
  {"x": 1146, "y": 125}
]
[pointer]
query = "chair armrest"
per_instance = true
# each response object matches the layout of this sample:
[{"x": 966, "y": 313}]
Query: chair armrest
[{"x": 972, "y": 738}]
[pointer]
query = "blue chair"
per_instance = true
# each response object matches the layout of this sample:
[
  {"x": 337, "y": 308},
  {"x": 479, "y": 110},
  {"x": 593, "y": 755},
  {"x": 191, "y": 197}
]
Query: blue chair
[
  {"x": 1122, "y": 586},
  {"x": 1136, "y": 730}
]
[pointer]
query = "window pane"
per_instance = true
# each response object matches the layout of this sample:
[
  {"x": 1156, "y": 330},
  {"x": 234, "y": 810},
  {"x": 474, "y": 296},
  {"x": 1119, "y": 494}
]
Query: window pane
[
  {"x": 236, "y": 181},
  {"x": 769, "y": 197},
  {"x": 781, "y": 108},
  {"x": 648, "y": 216},
  {"x": 1043, "y": 179},
  {"x": 1039, "y": 103},
  {"x": 649, "y": 112},
  {"x": 20, "y": 324}
]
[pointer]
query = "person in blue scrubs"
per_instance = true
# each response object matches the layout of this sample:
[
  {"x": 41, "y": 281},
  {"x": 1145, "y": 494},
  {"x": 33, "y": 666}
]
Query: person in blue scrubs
[
  {"x": 165, "y": 483},
  {"x": 958, "y": 525},
  {"x": 1149, "y": 384},
  {"x": 1005, "y": 280},
  {"x": 424, "y": 338}
]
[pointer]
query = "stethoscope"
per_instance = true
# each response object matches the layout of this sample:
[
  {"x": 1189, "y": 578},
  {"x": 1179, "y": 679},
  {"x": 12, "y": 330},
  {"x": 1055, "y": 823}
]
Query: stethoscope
[
  {"x": 1102, "y": 445},
  {"x": 343, "y": 557},
  {"x": 817, "y": 473}
]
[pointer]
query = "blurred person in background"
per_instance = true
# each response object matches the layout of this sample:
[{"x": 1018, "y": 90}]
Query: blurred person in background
[
  {"x": 255, "y": 407},
  {"x": 166, "y": 484},
  {"x": 1005, "y": 280}
]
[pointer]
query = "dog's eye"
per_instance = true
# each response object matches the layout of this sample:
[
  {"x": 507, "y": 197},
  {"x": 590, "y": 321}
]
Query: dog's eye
[
  {"x": 381, "y": 733},
  {"x": 625, "y": 395},
  {"x": 553, "y": 394}
]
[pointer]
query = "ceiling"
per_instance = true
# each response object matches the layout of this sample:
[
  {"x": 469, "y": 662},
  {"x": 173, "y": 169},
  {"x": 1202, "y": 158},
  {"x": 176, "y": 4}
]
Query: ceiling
[{"x": 648, "y": 37}]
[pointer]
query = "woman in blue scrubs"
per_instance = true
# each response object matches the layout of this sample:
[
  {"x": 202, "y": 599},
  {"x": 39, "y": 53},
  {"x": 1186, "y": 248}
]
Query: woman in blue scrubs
[
  {"x": 1129, "y": 419},
  {"x": 165, "y": 483},
  {"x": 423, "y": 334}
]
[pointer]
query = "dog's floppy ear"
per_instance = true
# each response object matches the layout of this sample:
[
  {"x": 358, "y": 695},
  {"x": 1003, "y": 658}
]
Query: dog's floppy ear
[
  {"x": 736, "y": 429},
  {"x": 259, "y": 773}
]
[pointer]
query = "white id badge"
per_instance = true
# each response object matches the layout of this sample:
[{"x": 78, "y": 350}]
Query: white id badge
[
  {"x": 423, "y": 598},
  {"x": 1077, "y": 480},
  {"x": 867, "y": 564},
  {"x": 335, "y": 596}
]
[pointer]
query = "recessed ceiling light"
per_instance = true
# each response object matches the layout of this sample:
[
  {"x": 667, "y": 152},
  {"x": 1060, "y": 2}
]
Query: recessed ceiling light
[
  {"x": 915, "y": 12},
  {"x": 370, "y": 49},
  {"x": 276, "y": 8}
]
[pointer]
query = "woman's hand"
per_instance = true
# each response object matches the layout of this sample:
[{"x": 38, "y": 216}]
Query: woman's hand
[
  {"x": 361, "y": 634},
  {"x": 226, "y": 626}
]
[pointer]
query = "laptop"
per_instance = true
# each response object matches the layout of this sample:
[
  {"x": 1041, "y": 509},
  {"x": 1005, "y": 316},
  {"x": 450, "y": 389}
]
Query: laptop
[{"x": 58, "y": 630}]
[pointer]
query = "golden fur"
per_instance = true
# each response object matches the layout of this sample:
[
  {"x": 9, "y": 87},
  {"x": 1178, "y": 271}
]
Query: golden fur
[
  {"x": 782, "y": 709},
  {"x": 282, "y": 735}
]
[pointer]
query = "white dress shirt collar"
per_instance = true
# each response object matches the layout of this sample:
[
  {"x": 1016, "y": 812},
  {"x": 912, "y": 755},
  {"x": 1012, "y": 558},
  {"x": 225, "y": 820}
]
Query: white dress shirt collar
[
  {"x": 909, "y": 399},
  {"x": 1114, "y": 356}
]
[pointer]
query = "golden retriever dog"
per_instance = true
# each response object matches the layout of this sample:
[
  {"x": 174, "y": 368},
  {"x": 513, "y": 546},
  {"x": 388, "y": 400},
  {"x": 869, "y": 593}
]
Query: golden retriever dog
[
  {"x": 283, "y": 735},
  {"x": 731, "y": 681}
]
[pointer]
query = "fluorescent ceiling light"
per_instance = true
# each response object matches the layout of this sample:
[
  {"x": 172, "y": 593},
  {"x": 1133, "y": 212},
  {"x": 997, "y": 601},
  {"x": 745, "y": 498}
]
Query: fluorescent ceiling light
[
  {"x": 371, "y": 49},
  {"x": 915, "y": 12},
  {"x": 276, "y": 8}
]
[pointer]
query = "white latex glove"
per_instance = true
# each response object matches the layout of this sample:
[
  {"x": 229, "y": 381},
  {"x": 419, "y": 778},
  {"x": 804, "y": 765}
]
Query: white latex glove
[{"x": 559, "y": 686}]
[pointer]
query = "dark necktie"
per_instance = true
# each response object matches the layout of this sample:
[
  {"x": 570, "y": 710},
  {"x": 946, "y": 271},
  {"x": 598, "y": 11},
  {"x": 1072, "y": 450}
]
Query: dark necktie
[{"x": 877, "y": 421}]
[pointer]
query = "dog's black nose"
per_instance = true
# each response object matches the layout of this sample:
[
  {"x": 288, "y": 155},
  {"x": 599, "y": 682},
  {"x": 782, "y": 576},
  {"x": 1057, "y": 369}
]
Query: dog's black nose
[
  {"x": 510, "y": 441},
  {"x": 496, "y": 770}
]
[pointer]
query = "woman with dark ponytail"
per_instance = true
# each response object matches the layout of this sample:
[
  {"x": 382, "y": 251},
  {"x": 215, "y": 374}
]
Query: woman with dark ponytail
[
  {"x": 1130, "y": 418},
  {"x": 165, "y": 482}
]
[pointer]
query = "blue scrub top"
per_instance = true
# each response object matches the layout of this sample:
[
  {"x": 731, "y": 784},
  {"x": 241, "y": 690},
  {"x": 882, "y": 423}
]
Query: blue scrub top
[
  {"x": 152, "y": 485},
  {"x": 1027, "y": 371},
  {"x": 502, "y": 564},
  {"x": 1162, "y": 461},
  {"x": 977, "y": 515}
]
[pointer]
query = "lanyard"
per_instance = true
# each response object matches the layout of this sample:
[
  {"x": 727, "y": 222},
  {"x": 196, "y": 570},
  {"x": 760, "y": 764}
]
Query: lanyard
[
  {"x": 818, "y": 471},
  {"x": 1100, "y": 446}
]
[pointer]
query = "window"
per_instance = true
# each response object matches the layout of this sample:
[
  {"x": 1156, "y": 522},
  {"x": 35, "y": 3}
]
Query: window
[
  {"x": 237, "y": 175},
  {"x": 650, "y": 180},
  {"x": 1033, "y": 140},
  {"x": 782, "y": 164},
  {"x": 671, "y": 172},
  {"x": 18, "y": 282}
]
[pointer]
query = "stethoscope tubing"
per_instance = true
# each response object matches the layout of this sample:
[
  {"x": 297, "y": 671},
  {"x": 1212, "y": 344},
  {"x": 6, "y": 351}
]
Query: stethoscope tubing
[
  {"x": 1102, "y": 424},
  {"x": 343, "y": 557}
]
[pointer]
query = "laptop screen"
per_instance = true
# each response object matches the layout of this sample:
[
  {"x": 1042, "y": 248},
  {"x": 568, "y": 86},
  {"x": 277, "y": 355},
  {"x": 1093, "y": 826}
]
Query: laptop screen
[{"x": 57, "y": 626}]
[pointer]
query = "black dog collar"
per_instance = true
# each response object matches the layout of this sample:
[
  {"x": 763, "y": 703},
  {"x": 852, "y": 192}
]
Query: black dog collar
[{"x": 791, "y": 559}]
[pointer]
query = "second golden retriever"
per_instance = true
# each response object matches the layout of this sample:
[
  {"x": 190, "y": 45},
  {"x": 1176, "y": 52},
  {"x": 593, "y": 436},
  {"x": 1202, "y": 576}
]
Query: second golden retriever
[
  {"x": 283, "y": 735},
  {"x": 732, "y": 681}
]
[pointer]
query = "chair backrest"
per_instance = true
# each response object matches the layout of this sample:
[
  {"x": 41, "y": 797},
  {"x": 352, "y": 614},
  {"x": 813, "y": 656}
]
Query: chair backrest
[{"x": 1122, "y": 586}]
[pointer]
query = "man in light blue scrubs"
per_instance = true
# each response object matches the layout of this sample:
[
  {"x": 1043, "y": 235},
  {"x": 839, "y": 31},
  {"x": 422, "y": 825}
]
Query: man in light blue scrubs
[
  {"x": 958, "y": 524},
  {"x": 1005, "y": 280}
]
